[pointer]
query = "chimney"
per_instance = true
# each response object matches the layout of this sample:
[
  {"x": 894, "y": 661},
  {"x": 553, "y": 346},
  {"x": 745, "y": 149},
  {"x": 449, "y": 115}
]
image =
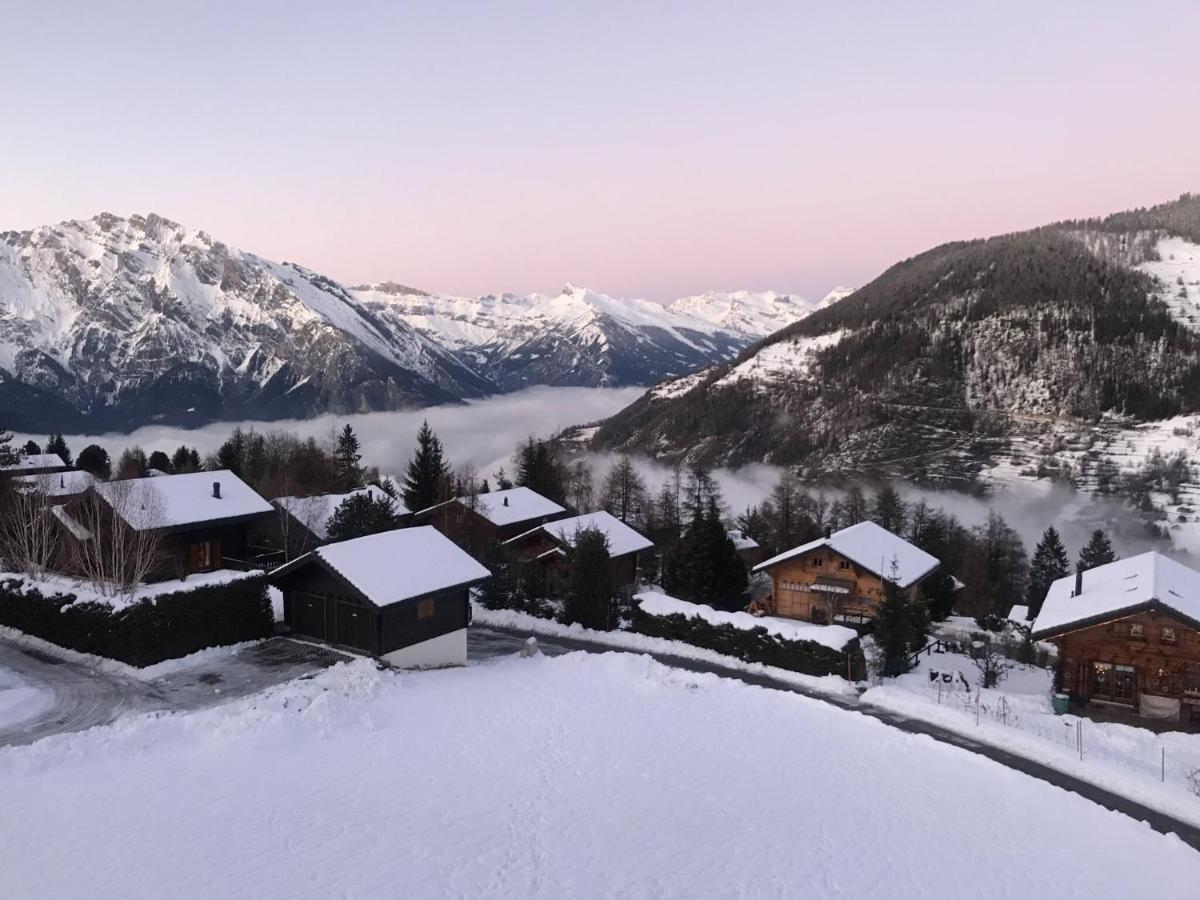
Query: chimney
[
  {"x": 506, "y": 501},
  {"x": 216, "y": 490},
  {"x": 828, "y": 532},
  {"x": 1078, "y": 583}
]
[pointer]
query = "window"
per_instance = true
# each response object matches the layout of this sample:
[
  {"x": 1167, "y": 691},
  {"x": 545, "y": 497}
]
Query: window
[
  {"x": 425, "y": 609},
  {"x": 204, "y": 556},
  {"x": 1137, "y": 630},
  {"x": 1113, "y": 683},
  {"x": 843, "y": 564},
  {"x": 1168, "y": 635},
  {"x": 818, "y": 562}
]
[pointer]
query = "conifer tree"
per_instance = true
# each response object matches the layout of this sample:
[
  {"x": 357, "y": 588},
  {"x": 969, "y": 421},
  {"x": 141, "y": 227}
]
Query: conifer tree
[
  {"x": 31, "y": 448},
  {"x": 1049, "y": 563},
  {"x": 499, "y": 590},
  {"x": 159, "y": 460},
  {"x": 624, "y": 492},
  {"x": 539, "y": 469},
  {"x": 591, "y": 598},
  {"x": 231, "y": 455},
  {"x": 94, "y": 460},
  {"x": 347, "y": 459},
  {"x": 428, "y": 472},
  {"x": 1098, "y": 551},
  {"x": 889, "y": 510},
  {"x": 58, "y": 446},
  {"x": 362, "y": 514},
  {"x": 900, "y": 625}
]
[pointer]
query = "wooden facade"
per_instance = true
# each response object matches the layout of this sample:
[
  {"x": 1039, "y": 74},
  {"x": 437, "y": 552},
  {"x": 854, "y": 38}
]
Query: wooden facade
[
  {"x": 474, "y": 532},
  {"x": 823, "y": 586},
  {"x": 1147, "y": 660},
  {"x": 537, "y": 548}
]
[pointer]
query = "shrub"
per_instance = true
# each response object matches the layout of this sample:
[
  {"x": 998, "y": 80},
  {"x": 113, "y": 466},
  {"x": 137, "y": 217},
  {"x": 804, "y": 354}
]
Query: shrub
[
  {"x": 754, "y": 645},
  {"x": 148, "y": 631}
]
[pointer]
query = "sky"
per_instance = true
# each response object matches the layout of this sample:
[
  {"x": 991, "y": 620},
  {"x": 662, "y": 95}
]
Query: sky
[{"x": 643, "y": 149}]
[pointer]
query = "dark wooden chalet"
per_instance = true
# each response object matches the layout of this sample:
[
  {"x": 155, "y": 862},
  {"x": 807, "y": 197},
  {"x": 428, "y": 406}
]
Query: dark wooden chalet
[
  {"x": 839, "y": 578},
  {"x": 400, "y": 595},
  {"x": 200, "y": 518},
  {"x": 476, "y": 523},
  {"x": 1128, "y": 636},
  {"x": 549, "y": 547}
]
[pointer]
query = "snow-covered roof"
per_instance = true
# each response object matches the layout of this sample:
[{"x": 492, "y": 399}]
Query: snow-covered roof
[
  {"x": 872, "y": 547},
  {"x": 35, "y": 461},
  {"x": 741, "y": 540},
  {"x": 172, "y": 501},
  {"x": 621, "y": 538},
  {"x": 1120, "y": 588},
  {"x": 78, "y": 530},
  {"x": 519, "y": 504},
  {"x": 1019, "y": 615},
  {"x": 397, "y": 565},
  {"x": 59, "y": 484},
  {"x": 315, "y": 512}
]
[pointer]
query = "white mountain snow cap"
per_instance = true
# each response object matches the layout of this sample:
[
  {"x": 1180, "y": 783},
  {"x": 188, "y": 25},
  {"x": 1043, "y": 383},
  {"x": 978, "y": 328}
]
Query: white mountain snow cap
[
  {"x": 873, "y": 548},
  {"x": 1121, "y": 587}
]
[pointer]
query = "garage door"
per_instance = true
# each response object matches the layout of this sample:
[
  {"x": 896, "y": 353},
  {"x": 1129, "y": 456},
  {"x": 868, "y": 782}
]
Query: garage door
[
  {"x": 354, "y": 625},
  {"x": 308, "y": 615}
]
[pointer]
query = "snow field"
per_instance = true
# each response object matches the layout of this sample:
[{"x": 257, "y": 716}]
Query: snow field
[
  {"x": 579, "y": 776},
  {"x": 20, "y": 701}
]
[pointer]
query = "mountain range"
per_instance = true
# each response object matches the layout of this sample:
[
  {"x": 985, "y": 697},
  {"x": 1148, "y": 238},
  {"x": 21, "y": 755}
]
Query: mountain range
[
  {"x": 1011, "y": 354},
  {"x": 111, "y": 323}
]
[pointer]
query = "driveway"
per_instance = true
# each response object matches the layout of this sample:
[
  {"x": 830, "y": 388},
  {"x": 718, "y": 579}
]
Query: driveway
[{"x": 83, "y": 697}]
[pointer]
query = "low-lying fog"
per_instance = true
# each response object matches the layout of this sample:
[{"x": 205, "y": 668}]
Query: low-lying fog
[{"x": 485, "y": 433}]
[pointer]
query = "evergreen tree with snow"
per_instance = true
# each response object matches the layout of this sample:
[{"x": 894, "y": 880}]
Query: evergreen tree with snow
[
  {"x": 1050, "y": 563},
  {"x": 591, "y": 598},
  {"x": 362, "y": 514},
  {"x": 428, "y": 472},
  {"x": 58, "y": 446},
  {"x": 1098, "y": 551},
  {"x": 347, "y": 460}
]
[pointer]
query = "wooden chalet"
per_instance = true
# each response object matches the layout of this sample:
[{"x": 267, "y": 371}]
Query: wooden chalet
[
  {"x": 302, "y": 523},
  {"x": 475, "y": 523},
  {"x": 200, "y": 518},
  {"x": 747, "y": 547},
  {"x": 400, "y": 595},
  {"x": 1128, "y": 636},
  {"x": 839, "y": 578},
  {"x": 35, "y": 464},
  {"x": 549, "y": 547}
]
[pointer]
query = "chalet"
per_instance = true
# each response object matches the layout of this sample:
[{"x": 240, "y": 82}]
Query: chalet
[
  {"x": 475, "y": 523},
  {"x": 1128, "y": 635},
  {"x": 549, "y": 546},
  {"x": 200, "y": 518},
  {"x": 400, "y": 595},
  {"x": 839, "y": 578},
  {"x": 302, "y": 523},
  {"x": 35, "y": 464}
]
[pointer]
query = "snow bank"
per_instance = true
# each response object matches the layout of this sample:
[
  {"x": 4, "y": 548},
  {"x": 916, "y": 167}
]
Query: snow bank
[
  {"x": 19, "y": 700},
  {"x": 84, "y": 592},
  {"x": 834, "y": 637},
  {"x": 574, "y": 776}
]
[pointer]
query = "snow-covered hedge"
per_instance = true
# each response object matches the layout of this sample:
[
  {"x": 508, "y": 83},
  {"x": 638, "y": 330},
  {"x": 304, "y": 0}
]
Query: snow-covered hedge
[
  {"x": 755, "y": 644},
  {"x": 148, "y": 630}
]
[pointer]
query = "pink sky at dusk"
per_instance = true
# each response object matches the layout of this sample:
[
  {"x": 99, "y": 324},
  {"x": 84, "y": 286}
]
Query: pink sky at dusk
[{"x": 653, "y": 150}]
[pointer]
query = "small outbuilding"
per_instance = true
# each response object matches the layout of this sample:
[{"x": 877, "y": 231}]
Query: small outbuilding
[{"x": 400, "y": 595}]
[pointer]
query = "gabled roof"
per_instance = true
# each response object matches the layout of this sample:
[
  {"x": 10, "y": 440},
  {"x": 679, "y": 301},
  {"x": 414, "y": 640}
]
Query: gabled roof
[
  {"x": 394, "y": 566},
  {"x": 177, "y": 501},
  {"x": 873, "y": 548},
  {"x": 508, "y": 507},
  {"x": 621, "y": 538},
  {"x": 741, "y": 540},
  {"x": 59, "y": 484},
  {"x": 36, "y": 461},
  {"x": 1146, "y": 581},
  {"x": 315, "y": 512}
]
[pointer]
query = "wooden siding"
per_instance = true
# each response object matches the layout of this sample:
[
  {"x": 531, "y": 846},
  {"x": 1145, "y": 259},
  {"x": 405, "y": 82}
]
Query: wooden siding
[
  {"x": 792, "y": 587},
  {"x": 472, "y": 532},
  {"x": 1163, "y": 667},
  {"x": 556, "y": 568}
]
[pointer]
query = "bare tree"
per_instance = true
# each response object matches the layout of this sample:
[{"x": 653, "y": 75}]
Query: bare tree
[
  {"x": 119, "y": 541},
  {"x": 299, "y": 520},
  {"x": 27, "y": 528},
  {"x": 990, "y": 660}
]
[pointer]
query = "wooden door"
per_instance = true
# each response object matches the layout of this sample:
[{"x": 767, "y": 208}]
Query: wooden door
[
  {"x": 354, "y": 624},
  {"x": 308, "y": 615}
]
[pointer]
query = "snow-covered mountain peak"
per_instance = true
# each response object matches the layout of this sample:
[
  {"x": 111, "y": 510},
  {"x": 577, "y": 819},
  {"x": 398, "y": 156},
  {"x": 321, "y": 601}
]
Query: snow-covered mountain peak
[
  {"x": 838, "y": 293},
  {"x": 751, "y": 313}
]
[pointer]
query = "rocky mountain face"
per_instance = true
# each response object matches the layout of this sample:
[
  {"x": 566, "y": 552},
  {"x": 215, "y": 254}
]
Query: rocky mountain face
[
  {"x": 580, "y": 337},
  {"x": 954, "y": 365},
  {"x": 115, "y": 323}
]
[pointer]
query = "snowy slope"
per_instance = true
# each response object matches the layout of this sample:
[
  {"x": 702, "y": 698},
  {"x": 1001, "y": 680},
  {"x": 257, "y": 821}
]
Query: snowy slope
[
  {"x": 583, "y": 337},
  {"x": 1177, "y": 270},
  {"x": 125, "y": 320},
  {"x": 579, "y": 776}
]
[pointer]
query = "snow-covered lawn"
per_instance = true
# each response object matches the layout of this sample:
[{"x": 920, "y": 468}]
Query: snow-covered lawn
[
  {"x": 1017, "y": 716},
  {"x": 656, "y": 603},
  {"x": 573, "y": 776},
  {"x": 20, "y": 701}
]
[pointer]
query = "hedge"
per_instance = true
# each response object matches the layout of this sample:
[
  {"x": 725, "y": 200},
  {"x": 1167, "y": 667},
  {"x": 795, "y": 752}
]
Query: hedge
[
  {"x": 146, "y": 632},
  {"x": 753, "y": 645}
]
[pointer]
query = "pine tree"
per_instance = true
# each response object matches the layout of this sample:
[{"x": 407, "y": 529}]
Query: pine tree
[
  {"x": 854, "y": 507},
  {"x": 94, "y": 460},
  {"x": 58, "y": 446},
  {"x": 900, "y": 626},
  {"x": 889, "y": 511},
  {"x": 185, "y": 459},
  {"x": 8, "y": 453},
  {"x": 1050, "y": 563},
  {"x": 159, "y": 460},
  {"x": 1098, "y": 551},
  {"x": 499, "y": 590},
  {"x": 591, "y": 598},
  {"x": 428, "y": 472},
  {"x": 31, "y": 448},
  {"x": 347, "y": 459},
  {"x": 231, "y": 455},
  {"x": 539, "y": 469},
  {"x": 625, "y": 491},
  {"x": 362, "y": 514}
]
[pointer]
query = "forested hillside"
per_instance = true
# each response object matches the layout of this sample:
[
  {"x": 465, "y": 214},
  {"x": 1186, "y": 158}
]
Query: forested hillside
[{"x": 928, "y": 370}]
